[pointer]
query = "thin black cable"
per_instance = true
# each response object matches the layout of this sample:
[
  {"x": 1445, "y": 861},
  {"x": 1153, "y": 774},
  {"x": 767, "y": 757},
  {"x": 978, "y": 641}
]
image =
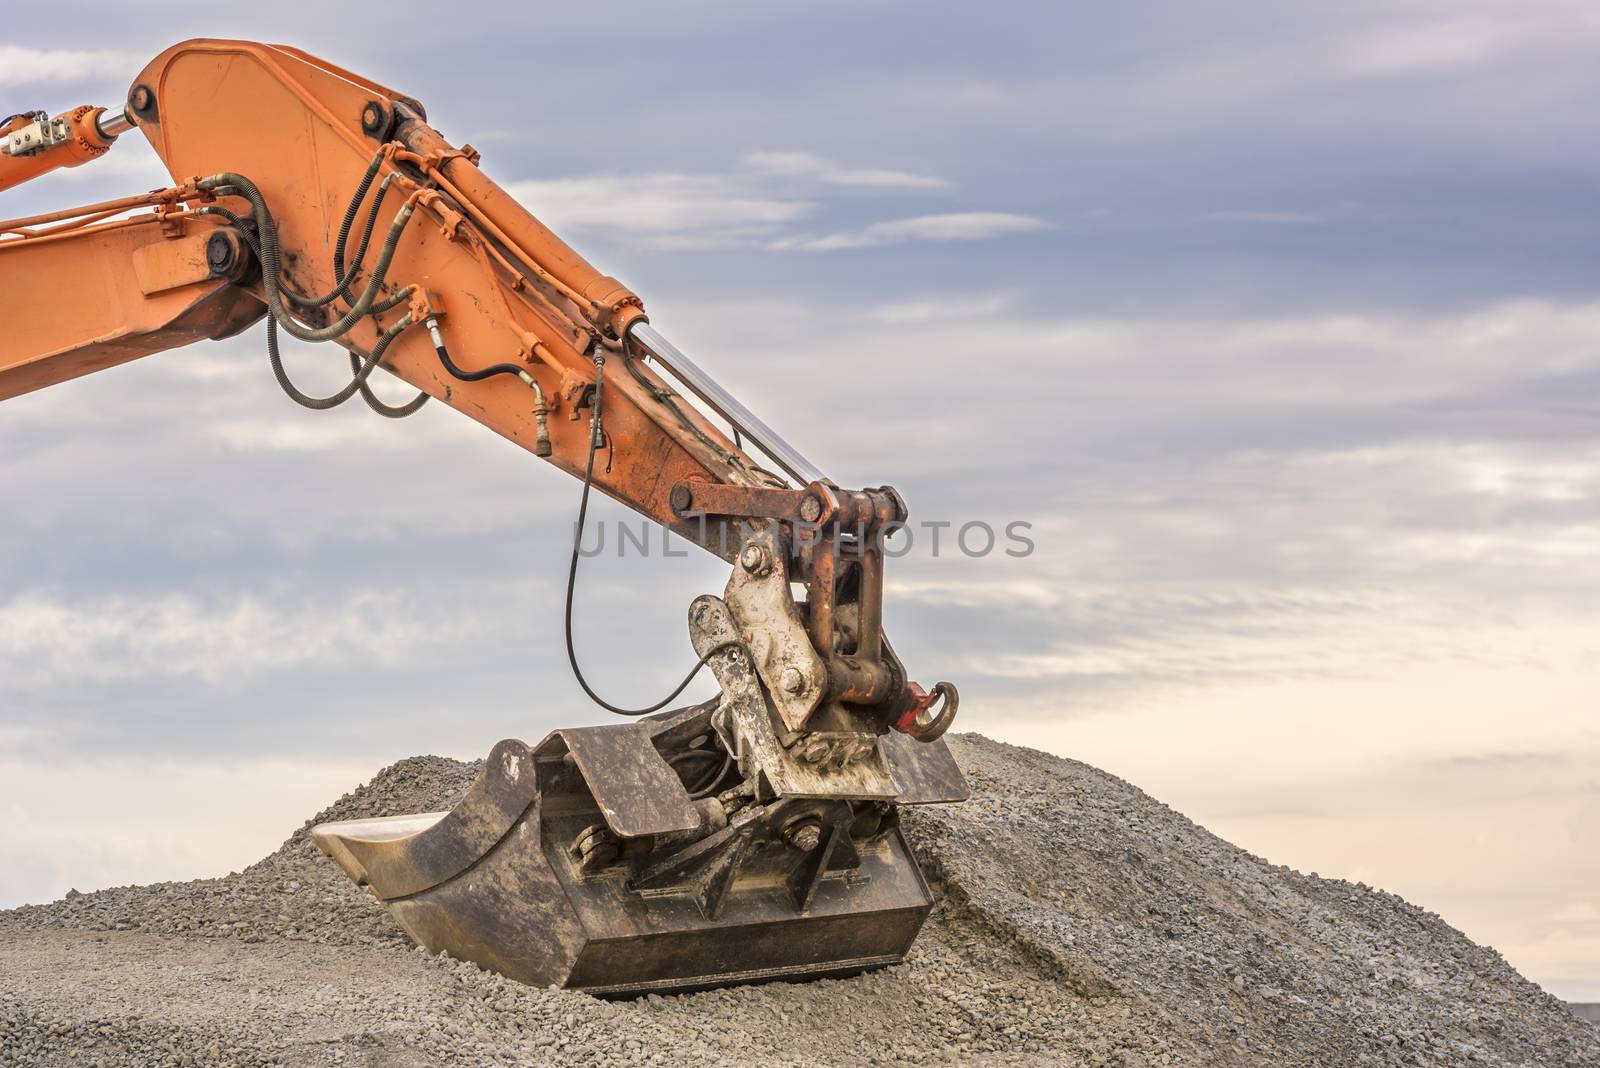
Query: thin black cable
[{"x": 595, "y": 435}]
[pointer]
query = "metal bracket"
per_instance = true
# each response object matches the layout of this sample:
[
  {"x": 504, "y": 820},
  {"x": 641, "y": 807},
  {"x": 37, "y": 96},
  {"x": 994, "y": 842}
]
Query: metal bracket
[
  {"x": 769, "y": 622},
  {"x": 749, "y": 729},
  {"x": 37, "y": 136}
]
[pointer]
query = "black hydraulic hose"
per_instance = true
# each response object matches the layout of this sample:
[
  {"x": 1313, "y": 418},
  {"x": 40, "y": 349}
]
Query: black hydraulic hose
[
  {"x": 347, "y": 276},
  {"x": 690, "y": 754},
  {"x": 709, "y": 786},
  {"x": 706, "y": 784},
  {"x": 343, "y": 278},
  {"x": 478, "y": 375},
  {"x": 388, "y": 411},
  {"x": 362, "y": 374},
  {"x": 596, "y": 434},
  {"x": 357, "y": 358},
  {"x": 239, "y": 185},
  {"x": 541, "y": 410},
  {"x": 254, "y": 242}
]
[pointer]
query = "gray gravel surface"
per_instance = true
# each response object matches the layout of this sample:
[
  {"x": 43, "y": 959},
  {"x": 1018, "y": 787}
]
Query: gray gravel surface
[{"x": 1081, "y": 923}]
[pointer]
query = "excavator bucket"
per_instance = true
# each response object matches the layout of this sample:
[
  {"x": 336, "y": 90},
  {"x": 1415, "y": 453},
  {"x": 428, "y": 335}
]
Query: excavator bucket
[{"x": 601, "y": 860}]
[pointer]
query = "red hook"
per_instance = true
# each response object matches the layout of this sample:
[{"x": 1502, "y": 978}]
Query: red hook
[{"x": 916, "y": 721}]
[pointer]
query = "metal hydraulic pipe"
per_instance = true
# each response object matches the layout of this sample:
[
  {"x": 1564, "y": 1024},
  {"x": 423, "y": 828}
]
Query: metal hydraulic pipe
[{"x": 725, "y": 404}]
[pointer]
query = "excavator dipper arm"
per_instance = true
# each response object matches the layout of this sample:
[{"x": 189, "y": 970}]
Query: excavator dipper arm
[{"x": 715, "y": 844}]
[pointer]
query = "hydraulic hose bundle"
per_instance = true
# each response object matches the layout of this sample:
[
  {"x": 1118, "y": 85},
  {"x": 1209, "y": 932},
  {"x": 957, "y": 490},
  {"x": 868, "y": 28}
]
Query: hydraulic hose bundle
[{"x": 264, "y": 242}]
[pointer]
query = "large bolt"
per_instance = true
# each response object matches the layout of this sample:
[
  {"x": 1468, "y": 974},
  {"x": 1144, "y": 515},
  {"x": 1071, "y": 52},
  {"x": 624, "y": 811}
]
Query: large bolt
[
  {"x": 219, "y": 254},
  {"x": 682, "y": 498},
  {"x": 755, "y": 558},
  {"x": 804, "y": 835},
  {"x": 793, "y": 681},
  {"x": 374, "y": 118},
  {"x": 141, "y": 98},
  {"x": 810, "y": 508}
]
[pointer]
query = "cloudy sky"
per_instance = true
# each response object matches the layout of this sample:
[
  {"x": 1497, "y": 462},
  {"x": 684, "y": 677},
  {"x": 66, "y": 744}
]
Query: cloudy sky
[{"x": 1279, "y": 323}]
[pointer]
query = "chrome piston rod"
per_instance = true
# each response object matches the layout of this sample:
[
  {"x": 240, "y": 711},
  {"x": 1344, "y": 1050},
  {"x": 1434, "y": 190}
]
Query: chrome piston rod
[
  {"x": 113, "y": 121},
  {"x": 110, "y": 123},
  {"x": 722, "y": 402}
]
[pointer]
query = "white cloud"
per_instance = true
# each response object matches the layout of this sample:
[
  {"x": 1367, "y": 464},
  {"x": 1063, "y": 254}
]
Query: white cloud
[
  {"x": 1438, "y": 47},
  {"x": 955, "y": 226},
  {"x": 24, "y": 66},
  {"x": 805, "y": 165},
  {"x": 944, "y": 309},
  {"x": 1299, "y": 636},
  {"x": 710, "y": 208},
  {"x": 299, "y": 435},
  {"x": 47, "y": 642},
  {"x": 756, "y": 205}
]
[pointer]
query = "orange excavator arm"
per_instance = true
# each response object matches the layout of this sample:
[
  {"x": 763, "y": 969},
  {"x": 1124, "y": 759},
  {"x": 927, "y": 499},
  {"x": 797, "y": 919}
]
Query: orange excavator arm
[
  {"x": 752, "y": 837},
  {"x": 325, "y": 203},
  {"x": 500, "y": 287}
]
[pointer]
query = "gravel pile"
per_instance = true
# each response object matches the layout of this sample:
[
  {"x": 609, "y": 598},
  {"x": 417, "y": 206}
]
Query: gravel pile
[
  {"x": 294, "y": 894},
  {"x": 1081, "y": 923}
]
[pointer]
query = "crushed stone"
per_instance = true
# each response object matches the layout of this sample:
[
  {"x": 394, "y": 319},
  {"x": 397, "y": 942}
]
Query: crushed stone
[{"x": 1080, "y": 922}]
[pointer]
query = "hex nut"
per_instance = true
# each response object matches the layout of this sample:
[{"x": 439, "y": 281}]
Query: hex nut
[{"x": 805, "y": 835}]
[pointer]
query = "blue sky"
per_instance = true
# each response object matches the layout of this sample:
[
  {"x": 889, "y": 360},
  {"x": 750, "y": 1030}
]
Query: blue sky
[{"x": 1278, "y": 322}]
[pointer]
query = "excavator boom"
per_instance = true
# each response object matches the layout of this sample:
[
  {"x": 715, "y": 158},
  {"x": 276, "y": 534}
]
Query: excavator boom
[{"x": 752, "y": 837}]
